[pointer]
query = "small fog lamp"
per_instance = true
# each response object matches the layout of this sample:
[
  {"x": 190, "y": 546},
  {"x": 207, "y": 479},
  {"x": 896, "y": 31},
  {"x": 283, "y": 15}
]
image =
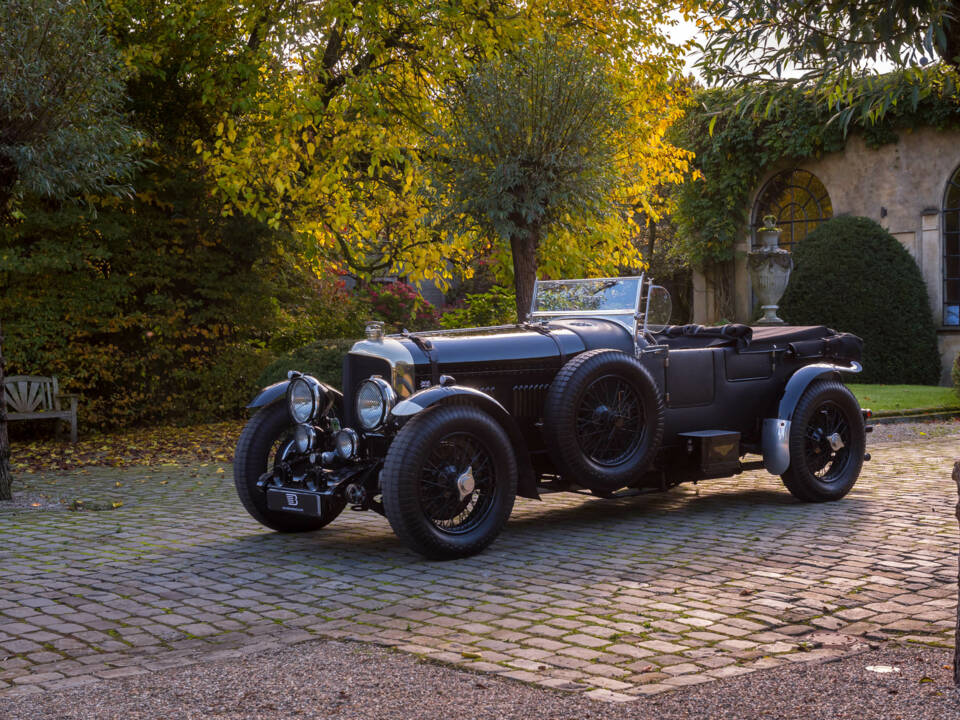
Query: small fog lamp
[
  {"x": 304, "y": 437},
  {"x": 347, "y": 442}
]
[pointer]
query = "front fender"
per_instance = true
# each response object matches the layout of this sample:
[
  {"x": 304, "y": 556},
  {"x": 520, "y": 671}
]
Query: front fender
[
  {"x": 270, "y": 394},
  {"x": 440, "y": 394},
  {"x": 776, "y": 431}
]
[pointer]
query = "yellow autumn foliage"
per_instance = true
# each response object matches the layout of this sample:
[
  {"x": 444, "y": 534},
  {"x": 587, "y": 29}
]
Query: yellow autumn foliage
[{"x": 330, "y": 145}]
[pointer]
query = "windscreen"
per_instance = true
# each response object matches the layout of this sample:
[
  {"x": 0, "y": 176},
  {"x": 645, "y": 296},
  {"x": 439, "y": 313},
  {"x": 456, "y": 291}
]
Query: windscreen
[
  {"x": 607, "y": 295},
  {"x": 658, "y": 308}
]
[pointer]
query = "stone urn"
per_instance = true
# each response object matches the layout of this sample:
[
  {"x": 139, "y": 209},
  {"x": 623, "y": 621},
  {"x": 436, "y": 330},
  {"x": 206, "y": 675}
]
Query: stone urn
[{"x": 770, "y": 266}]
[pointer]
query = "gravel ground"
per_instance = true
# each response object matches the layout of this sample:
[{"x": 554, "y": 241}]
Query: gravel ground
[
  {"x": 346, "y": 681},
  {"x": 917, "y": 431},
  {"x": 32, "y": 501}
]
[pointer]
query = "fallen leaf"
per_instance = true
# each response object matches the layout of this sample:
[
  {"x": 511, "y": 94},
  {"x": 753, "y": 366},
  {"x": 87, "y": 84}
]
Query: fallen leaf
[
  {"x": 160, "y": 446},
  {"x": 471, "y": 655}
]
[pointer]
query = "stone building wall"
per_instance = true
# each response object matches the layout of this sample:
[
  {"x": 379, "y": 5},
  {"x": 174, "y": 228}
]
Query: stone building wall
[{"x": 901, "y": 186}]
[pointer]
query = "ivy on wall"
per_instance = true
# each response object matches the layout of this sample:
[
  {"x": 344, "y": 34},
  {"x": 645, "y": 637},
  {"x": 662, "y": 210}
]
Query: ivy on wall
[{"x": 734, "y": 149}]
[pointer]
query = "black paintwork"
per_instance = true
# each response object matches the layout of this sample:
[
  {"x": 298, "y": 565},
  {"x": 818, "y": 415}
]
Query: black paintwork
[
  {"x": 724, "y": 381},
  {"x": 516, "y": 365},
  {"x": 728, "y": 378}
]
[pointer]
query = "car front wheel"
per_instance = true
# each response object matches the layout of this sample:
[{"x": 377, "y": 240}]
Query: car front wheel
[
  {"x": 265, "y": 440},
  {"x": 449, "y": 481},
  {"x": 827, "y": 443}
]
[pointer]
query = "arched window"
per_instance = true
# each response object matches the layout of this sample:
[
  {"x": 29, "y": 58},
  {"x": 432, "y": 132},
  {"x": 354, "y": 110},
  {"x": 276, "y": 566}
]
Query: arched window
[
  {"x": 951, "y": 251},
  {"x": 798, "y": 200}
]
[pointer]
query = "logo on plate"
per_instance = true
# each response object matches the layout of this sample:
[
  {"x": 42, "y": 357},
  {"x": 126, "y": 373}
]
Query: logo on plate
[{"x": 292, "y": 499}]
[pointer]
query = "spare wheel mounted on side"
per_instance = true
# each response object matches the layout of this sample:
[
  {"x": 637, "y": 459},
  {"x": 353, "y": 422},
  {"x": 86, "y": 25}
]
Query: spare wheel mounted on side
[{"x": 603, "y": 420}]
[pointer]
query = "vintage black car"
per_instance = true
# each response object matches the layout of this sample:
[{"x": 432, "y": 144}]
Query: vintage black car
[{"x": 439, "y": 431}]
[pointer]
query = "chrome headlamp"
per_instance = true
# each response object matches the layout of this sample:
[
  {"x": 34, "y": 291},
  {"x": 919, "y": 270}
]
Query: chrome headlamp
[
  {"x": 304, "y": 398},
  {"x": 347, "y": 443},
  {"x": 375, "y": 400}
]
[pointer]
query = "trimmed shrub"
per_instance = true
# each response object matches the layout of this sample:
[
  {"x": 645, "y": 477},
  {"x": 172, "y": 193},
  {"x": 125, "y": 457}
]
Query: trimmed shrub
[
  {"x": 322, "y": 359},
  {"x": 852, "y": 275}
]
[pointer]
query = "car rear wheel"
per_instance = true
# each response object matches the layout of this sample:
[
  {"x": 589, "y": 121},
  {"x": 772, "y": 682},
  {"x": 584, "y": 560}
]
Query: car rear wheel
[
  {"x": 827, "y": 443},
  {"x": 449, "y": 482},
  {"x": 265, "y": 440},
  {"x": 603, "y": 419}
]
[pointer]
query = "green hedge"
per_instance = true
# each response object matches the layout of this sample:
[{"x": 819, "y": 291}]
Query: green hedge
[
  {"x": 322, "y": 359},
  {"x": 852, "y": 275},
  {"x": 497, "y": 306}
]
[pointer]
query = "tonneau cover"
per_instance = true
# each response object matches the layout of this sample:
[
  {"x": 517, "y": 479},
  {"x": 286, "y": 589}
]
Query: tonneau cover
[{"x": 801, "y": 341}]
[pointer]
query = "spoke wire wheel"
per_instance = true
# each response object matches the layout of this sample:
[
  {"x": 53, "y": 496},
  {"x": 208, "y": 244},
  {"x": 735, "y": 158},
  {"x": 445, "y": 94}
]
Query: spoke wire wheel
[
  {"x": 827, "y": 428},
  {"x": 266, "y": 439},
  {"x": 609, "y": 421},
  {"x": 449, "y": 481},
  {"x": 457, "y": 483},
  {"x": 827, "y": 443},
  {"x": 603, "y": 420}
]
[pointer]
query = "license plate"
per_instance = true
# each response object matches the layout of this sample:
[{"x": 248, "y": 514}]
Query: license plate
[{"x": 293, "y": 501}]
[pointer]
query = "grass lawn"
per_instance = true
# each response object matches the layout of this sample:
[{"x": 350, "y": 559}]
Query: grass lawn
[{"x": 894, "y": 399}]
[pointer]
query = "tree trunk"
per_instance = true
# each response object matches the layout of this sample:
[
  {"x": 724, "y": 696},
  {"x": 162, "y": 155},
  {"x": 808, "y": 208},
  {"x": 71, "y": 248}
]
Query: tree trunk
[
  {"x": 6, "y": 479},
  {"x": 956, "y": 640},
  {"x": 8, "y": 178},
  {"x": 523, "y": 246}
]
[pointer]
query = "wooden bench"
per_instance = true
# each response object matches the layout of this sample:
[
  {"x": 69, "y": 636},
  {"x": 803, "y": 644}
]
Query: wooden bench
[{"x": 31, "y": 397}]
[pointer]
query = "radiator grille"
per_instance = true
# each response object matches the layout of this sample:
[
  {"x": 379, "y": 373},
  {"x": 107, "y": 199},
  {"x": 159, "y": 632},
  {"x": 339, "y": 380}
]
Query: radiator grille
[
  {"x": 528, "y": 399},
  {"x": 356, "y": 369}
]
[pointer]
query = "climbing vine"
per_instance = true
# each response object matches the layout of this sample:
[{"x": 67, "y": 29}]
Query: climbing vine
[{"x": 734, "y": 149}]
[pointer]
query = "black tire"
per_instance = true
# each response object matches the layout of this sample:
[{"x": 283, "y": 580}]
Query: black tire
[
  {"x": 603, "y": 396},
  {"x": 261, "y": 441},
  {"x": 424, "y": 481},
  {"x": 817, "y": 471}
]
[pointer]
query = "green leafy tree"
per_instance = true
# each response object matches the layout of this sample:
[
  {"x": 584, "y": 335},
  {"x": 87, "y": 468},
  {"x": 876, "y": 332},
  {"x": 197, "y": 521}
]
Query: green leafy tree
[
  {"x": 831, "y": 49},
  {"x": 62, "y": 125},
  {"x": 158, "y": 307},
  {"x": 331, "y": 146}
]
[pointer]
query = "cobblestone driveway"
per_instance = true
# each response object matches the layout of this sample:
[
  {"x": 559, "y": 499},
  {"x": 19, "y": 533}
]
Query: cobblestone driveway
[{"x": 618, "y": 598}]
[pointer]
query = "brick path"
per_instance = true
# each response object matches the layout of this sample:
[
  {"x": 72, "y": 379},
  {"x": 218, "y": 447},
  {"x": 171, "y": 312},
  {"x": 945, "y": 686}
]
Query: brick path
[{"x": 617, "y": 598}]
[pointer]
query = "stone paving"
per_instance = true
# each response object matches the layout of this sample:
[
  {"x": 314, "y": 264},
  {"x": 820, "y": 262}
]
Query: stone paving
[{"x": 615, "y": 598}]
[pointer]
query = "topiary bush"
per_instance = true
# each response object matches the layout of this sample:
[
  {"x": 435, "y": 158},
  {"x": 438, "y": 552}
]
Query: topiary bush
[
  {"x": 322, "y": 359},
  {"x": 852, "y": 275}
]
